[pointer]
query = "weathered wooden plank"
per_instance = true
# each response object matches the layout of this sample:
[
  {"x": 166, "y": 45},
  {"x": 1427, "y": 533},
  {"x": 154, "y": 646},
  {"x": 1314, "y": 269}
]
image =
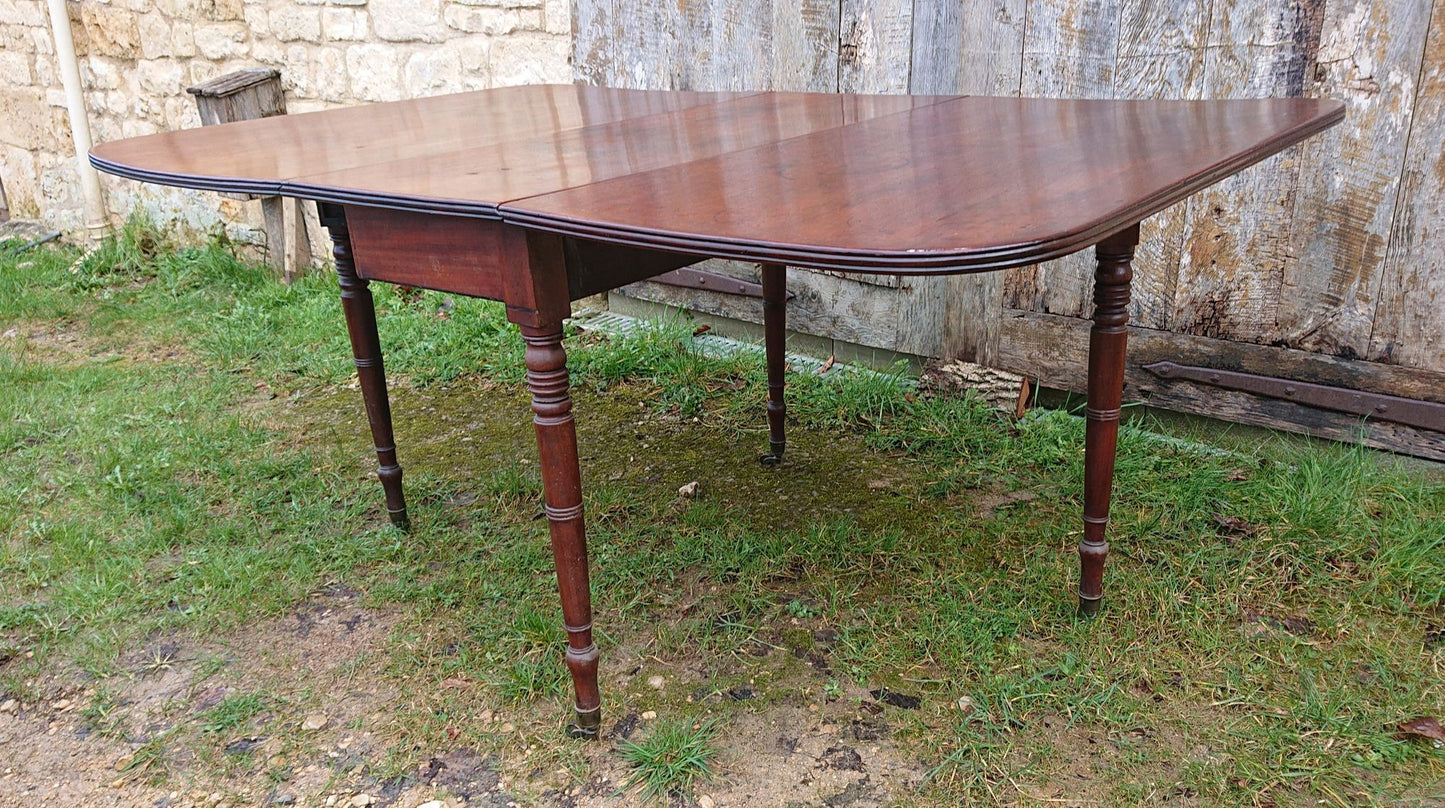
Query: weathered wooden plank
[
  {"x": 1055, "y": 350},
  {"x": 1161, "y": 49},
  {"x": 953, "y": 317},
  {"x": 727, "y": 45},
  {"x": 273, "y": 218},
  {"x": 707, "y": 45},
  {"x": 822, "y": 304},
  {"x": 1070, "y": 50},
  {"x": 1287, "y": 416},
  {"x": 805, "y": 49},
  {"x": 1068, "y": 342},
  {"x": 937, "y": 48},
  {"x": 624, "y": 43},
  {"x": 973, "y": 47},
  {"x": 1370, "y": 57},
  {"x": 884, "y": 281},
  {"x": 875, "y": 46},
  {"x": 1409, "y": 325},
  {"x": 297, "y": 241},
  {"x": 594, "y": 46},
  {"x": 1238, "y": 236},
  {"x": 1161, "y": 55}
]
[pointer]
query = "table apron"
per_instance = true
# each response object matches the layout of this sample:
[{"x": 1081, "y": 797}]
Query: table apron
[
  {"x": 446, "y": 253},
  {"x": 467, "y": 256}
]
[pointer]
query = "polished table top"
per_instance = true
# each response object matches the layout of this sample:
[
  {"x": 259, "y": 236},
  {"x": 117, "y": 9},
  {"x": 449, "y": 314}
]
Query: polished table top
[{"x": 912, "y": 184}]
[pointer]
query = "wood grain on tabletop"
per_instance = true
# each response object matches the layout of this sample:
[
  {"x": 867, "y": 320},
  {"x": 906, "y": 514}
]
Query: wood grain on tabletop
[
  {"x": 896, "y": 183},
  {"x": 968, "y": 183},
  {"x": 261, "y": 155}
]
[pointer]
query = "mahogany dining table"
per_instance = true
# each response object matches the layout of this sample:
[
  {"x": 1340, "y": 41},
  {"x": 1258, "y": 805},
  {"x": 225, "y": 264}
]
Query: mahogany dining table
[{"x": 538, "y": 196}]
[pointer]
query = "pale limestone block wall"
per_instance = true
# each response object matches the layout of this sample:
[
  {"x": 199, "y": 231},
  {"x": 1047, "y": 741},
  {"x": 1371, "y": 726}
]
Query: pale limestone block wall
[{"x": 138, "y": 56}]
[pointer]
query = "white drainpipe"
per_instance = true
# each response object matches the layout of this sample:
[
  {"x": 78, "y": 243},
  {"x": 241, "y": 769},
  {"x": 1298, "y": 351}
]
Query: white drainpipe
[{"x": 95, "y": 221}]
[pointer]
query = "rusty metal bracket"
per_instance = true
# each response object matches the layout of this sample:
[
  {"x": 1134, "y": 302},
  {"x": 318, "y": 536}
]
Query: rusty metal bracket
[
  {"x": 1423, "y": 414},
  {"x": 701, "y": 279}
]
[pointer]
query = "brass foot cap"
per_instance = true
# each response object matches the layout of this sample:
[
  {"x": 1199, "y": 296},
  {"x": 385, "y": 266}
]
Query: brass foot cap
[
  {"x": 774, "y": 455},
  {"x": 586, "y": 726},
  {"x": 1088, "y": 607}
]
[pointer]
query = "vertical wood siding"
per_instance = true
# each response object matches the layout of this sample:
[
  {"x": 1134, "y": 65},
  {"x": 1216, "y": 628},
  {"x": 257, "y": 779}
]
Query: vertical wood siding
[{"x": 1335, "y": 247}]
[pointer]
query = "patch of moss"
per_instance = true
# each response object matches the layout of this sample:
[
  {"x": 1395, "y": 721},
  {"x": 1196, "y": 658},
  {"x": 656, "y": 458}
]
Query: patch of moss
[{"x": 466, "y": 430}]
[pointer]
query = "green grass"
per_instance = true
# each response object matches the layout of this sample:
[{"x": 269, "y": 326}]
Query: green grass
[
  {"x": 232, "y": 712},
  {"x": 675, "y": 756},
  {"x": 183, "y": 457}
]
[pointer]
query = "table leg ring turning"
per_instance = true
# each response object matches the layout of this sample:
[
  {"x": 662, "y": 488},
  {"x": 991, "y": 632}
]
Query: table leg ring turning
[
  {"x": 360, "y": 311},
  {"x": 583, "y": 665},
  {"x": 1107, "y": 343},
  {"x": 562, "y": 487}
]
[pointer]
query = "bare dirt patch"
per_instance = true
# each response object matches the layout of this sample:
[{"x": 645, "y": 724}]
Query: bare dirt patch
[
  {"x": 71, "y": 343},
  {"x": 789, "y": 755},
  {"x": 146, "y": 736},
  {"x": 161, "y": 733}
]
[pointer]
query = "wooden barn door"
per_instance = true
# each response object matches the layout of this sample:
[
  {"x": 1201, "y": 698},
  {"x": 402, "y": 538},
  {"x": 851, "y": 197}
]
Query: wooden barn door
[
  {"x": 792, "y": 45},
  {"x": 1321, "y": 265},
  {"x": 1324, "y": 264}
]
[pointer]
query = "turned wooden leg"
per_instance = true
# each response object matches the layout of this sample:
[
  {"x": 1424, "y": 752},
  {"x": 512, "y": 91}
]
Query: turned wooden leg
[
  {"x": 1106, "y": 390},
  {"x": 366, "y": 350},
  {"x": 775, "y": 313},
  {"x": 538, "y": 300},
  {"x": 562, "y": 483}
]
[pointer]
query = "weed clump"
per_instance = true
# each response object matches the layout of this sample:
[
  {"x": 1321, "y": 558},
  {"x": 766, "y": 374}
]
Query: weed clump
[{"x": 677, "y": 755}]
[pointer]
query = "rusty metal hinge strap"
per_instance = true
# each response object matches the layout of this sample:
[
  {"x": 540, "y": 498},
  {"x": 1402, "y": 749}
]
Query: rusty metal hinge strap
[{"x": 1424, "y": 414}]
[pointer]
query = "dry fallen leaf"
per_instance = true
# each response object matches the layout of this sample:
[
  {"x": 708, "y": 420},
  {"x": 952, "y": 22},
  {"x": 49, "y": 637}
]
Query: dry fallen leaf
[
  {"x": 688, "y": 491},
  {"x": 1425, "y": 726},
  {"x": 700, "y": 330},
  {"x": 1236, "y": 526},
  {"x": 1021, "y": 404},
  {"x": 827, "y": 365}
]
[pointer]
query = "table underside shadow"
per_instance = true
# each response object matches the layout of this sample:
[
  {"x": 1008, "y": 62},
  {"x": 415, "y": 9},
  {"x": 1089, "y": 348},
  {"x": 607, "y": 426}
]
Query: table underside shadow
[{"x": 553, "y": 271}]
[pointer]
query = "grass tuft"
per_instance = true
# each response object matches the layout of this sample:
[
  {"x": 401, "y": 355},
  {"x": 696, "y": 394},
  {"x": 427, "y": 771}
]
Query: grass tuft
[
  {"x": 677, "y": 755},
  {"x": 233, "y": 711}
]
